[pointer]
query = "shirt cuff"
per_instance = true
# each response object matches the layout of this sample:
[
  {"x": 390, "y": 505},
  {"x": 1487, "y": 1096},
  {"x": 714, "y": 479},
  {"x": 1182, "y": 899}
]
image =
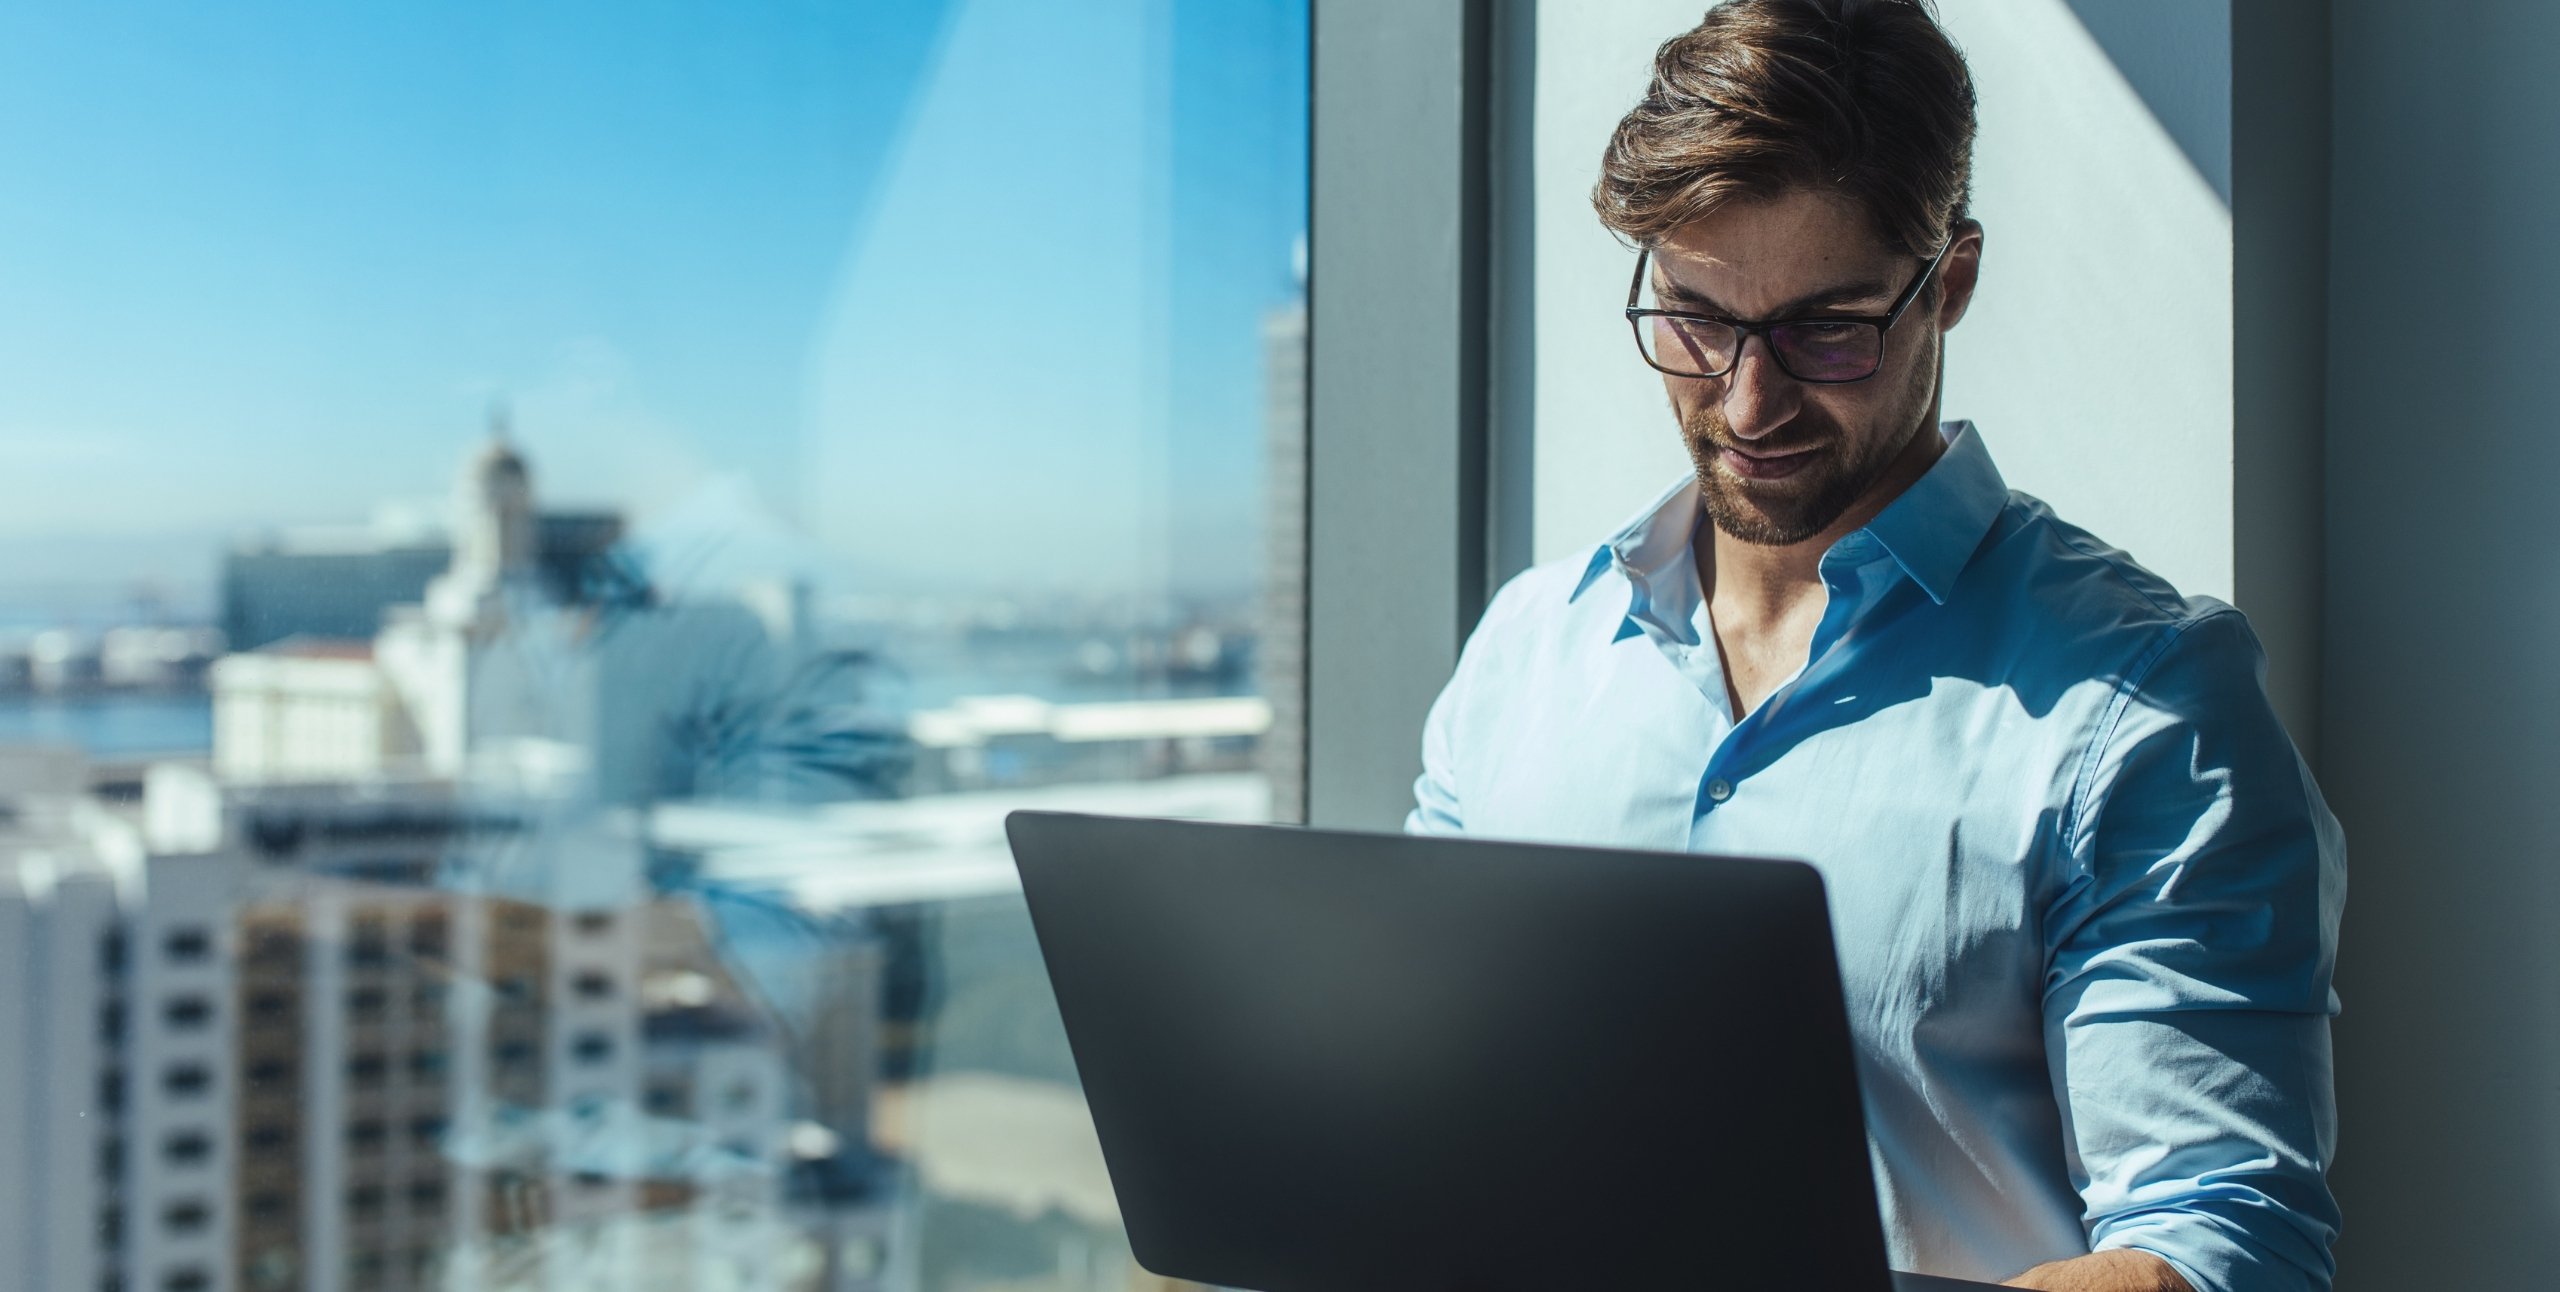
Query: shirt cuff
[{"x": 2210, "y": 1253}]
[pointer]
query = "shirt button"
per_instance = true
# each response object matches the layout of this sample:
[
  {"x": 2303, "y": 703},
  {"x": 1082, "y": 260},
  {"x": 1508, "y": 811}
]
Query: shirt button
[{"x": 1719, "y": 790}]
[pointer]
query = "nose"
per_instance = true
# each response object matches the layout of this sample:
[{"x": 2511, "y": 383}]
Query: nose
[{"x": 1758, "y": 396}]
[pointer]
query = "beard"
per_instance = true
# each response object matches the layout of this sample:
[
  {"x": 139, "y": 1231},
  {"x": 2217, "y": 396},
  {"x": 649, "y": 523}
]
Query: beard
[{"x": 1838, "y": 471}]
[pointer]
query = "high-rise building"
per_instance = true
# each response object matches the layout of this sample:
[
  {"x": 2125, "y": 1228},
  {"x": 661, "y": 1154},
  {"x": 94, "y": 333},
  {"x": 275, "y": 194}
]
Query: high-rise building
[
  {"x": 1283, "y": 649},
  {"x": 355, "y": 1045}
]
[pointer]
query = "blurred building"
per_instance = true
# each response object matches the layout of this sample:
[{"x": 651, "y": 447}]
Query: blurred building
[
  {"x": 339, "y": 583},
  {"x": 490, "y": 671},
  {"x": 1284, "y": 582},
  {"x": 298, "y": 1038}
]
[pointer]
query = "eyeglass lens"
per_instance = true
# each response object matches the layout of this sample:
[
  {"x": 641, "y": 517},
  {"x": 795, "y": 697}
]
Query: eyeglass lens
[{"x": 1807, "y": 351}]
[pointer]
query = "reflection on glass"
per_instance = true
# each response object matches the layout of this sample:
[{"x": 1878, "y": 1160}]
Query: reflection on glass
[{"x": 539, "y": 550}]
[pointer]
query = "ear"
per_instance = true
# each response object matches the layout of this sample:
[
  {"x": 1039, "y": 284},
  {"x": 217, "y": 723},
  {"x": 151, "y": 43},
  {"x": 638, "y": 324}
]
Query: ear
[{"x": 1957, "y": 277}]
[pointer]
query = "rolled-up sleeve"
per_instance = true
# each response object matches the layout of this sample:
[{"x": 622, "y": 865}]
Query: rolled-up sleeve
[{"x": 2188, "y": 996}]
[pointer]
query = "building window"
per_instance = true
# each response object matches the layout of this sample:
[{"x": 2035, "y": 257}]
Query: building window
[
  {"x": 369, "y": 943},
  {"x": 595, "y": 924},
  {"x": 186, "y": 1080},
  {"x": 187, "y": 945},
  {"x": 187, "y": 1279},
  {"x": 426, "y": 1065},
  {"x": 426, "y": 1132},
  {"x": 269, "y": 1206},
  {"x": 365, "y": 1200},
  {"x": 668, "y": 1099},
  {"x": 366, "y": 1071},
  {"x": 185, "y": 1217},
  {"x": 187, "y": 1013},
  {"x": 366, "y": 1136},
  {"x": 269, "y": 1137},
  {"x": 111, "y": 1090},
  {"x": 267, "y": 1074},
  {"x": 111, "y": 1228},
  {"x": 274, "y": 948},
  {"x": 426, "y": 1193},
  {"x": 111, "y": 1022},
  {"x": 270, "y": 1006},
  {"x": 111, "y": 955},
  {"x": 186, "y": 1148},
  {"x": 429, "y": 933},
  {"x": 591, "y": 984},
  {"x": 592, "y": 1047}
]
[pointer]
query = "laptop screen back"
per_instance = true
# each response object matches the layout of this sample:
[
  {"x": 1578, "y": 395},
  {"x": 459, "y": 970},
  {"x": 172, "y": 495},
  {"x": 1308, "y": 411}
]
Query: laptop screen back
[{"x": 1332, "y": 1061}]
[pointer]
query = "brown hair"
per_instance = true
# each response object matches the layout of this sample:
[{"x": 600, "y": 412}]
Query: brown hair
[{"x": 1867, "y": 98}]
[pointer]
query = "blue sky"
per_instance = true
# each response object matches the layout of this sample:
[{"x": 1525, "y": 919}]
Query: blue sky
[{"x": 268, "y": 264}]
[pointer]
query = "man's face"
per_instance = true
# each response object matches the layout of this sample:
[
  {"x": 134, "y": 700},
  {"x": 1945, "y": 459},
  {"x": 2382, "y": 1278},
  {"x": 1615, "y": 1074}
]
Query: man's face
[{"x": 1779, "y": 460}]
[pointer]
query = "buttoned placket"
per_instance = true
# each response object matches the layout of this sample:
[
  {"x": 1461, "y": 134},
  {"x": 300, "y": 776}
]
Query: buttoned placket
[{"x": 1729, "y": 764}]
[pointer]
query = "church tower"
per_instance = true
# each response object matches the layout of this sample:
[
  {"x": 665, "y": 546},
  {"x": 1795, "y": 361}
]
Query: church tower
[
  {"x": 494, "y": 534},
  {"x": 493, "y": 512}
]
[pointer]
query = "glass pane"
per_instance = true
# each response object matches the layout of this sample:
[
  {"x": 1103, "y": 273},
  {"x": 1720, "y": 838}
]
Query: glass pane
[{"x": 540, "y": 546}]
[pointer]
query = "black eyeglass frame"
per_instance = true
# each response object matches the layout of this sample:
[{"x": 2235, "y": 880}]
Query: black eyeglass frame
[{"x": 1743, "y": 332}]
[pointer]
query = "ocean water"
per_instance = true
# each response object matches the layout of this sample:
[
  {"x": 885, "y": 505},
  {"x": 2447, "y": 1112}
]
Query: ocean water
[{"x": 110, "y": 726}]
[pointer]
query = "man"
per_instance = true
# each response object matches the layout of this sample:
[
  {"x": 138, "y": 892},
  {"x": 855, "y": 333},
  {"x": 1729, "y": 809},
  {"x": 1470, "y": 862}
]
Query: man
[{"x": 2086, "y": 894}]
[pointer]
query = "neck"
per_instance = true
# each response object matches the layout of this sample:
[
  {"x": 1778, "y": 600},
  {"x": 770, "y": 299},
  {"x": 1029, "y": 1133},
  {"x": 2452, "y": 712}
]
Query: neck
[{"x": 1753, "y": 583}]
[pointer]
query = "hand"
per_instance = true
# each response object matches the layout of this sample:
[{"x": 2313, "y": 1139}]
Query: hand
[{"x": 2115, "y": 1271}]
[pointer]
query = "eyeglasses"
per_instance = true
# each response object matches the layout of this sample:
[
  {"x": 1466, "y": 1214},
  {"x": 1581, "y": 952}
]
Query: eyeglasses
[{"x": 1827, "y": 349}]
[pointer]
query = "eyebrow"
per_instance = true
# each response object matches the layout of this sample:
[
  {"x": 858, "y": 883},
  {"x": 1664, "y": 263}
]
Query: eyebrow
[{"x": 1827, "y": 297}]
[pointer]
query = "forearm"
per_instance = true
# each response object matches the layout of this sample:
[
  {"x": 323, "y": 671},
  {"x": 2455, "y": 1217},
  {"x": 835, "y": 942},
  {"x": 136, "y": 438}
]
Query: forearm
[{"x": 2113, "y": 1271}]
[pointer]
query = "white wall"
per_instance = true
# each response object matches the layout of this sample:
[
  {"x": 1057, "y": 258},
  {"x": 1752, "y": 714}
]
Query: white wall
[{"x": 2097, "y": 357}]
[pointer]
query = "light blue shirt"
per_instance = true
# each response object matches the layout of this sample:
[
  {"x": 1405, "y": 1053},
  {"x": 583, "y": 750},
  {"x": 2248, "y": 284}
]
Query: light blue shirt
[{"x": 2086, "y": 894}]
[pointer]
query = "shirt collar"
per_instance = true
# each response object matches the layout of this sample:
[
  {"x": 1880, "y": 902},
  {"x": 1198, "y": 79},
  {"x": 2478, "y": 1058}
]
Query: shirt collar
[{"x": 1931, "y": 531}]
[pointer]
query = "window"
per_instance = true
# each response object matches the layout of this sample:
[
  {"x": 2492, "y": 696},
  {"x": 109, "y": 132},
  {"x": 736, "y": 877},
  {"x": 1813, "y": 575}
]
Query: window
[
  {"x": 628, "y": 498},
  {"x": 666, "y": 1099},
  {"x": 185, "y": 1217},
  {"x": 369, "y": 943},
  {"x": 427, "y": 934},
  {"x": 186, "y": 1279}
]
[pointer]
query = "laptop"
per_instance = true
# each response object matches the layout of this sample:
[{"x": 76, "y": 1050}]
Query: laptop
[{"x": 1327, "y": 1062}]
